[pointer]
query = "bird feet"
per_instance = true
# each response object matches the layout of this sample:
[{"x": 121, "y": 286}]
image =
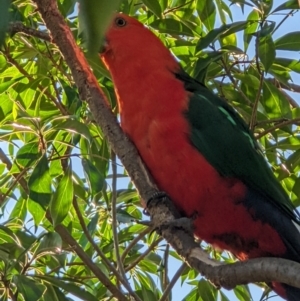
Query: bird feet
[{"x": 165, "y": 215}]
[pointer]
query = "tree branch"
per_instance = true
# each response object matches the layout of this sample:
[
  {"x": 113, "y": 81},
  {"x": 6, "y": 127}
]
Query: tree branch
[
  {"x": 66, "y": 236},
  {"x": 134, "y": 242},
  {"x": 162, "y": 211},
  {"x": 17, "y": 27},
  {"x": 295, "y": 121},
  {"x": 108, "y": 264},
  {"x": 168, "y": 289}
]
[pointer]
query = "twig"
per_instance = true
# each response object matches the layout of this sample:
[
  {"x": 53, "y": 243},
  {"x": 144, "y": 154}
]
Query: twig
[
  {"x": 134, "y": 242},
  {"x": 100, "y": 253},
  {"x": 283, "y": 20},
  {"x": 261, "y": 81},
  {"x": 143, "y": 255},
  {"x": 235, "y": 85},
  {"x": 66, "y": 236},
  {"x": 273, "y": 120},
  {"x": 17, "y": 177},
  {"x": 120, "y": 266},
  {"x": 278, "y": 126},
  {"x": 166, "y": 281},
  {"x": 168, "y": 289},
  {"x": 17, "y": 27},
  {"x": 290, "y": 99},
  {"x": 254, "y": 109},
  {"x": 11, "y": 60},
  {"x": 11, "y": 295},
  {"x": 290, "y": 86},
  {"x": 177, "y": 7},
  {"x": 8, "y": 164}
]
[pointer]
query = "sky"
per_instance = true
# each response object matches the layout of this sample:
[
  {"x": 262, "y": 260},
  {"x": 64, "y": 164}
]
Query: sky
[{"x": 288, "y": 26}]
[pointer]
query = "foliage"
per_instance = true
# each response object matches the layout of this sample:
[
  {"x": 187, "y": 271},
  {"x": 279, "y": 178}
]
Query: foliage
[{"x": 57, "y": 169}]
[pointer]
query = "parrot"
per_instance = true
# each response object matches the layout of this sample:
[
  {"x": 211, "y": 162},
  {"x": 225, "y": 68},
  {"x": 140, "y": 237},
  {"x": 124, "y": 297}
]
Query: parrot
[{"x": 199, "y": 150}]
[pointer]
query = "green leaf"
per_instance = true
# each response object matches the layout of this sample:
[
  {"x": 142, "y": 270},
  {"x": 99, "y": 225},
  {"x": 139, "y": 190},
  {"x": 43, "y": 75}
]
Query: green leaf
[
  {"x": 291, "y": 4},
  {"x": 274, "y": 102},
  {"x": 206, "y": 291},
  {"x": 242, "y": 293},
  {"x": 36, "y": 210},
  {"x": 51, "y": 242},
  {"x": 282, "y": 74},
  {"x": 293, "y": 161},
  {"x": 163, "y": 4},
  {"x": 20, "y": 210},
  {"x": 267, "y": 29},
  {"x": 266, "y": 51},
  {"x": 62, "y": 199},
  {"x": 124, "y": 217},
  {"x": 220, "y": 7},
  {"x": 222, "y": 31},
  {"x": 66, "y": 7},
  {"x": 290, "y": 143},
  {"x": 29, "y": 289},
  {"x": 40, "y": 183},
  {"x": 154, "y": 6},
  {"x": 207, "y": 12},
  {"x": 54, "y": 294},
  {"x": 290, "y": 41},
  {"x": 95, "y": 17},
  {"x": 67, "y": 286},
  {"x": 4, "y": 86},
  {"x": 28, "y": 154},
  {"x": 266, "y": 6},
  {"x": 2, "y": 167},
  {"x": 203, "y": 63},
  {"x": 93, "y": 176},
  {"x": 296, "y": 189},
  {"x": 248, "y": 79},
  {"x": 75, "y": 126},
  {"x": 4, "y": 18},
  {"x": 171, "y": 26},
  {"x": 251, "y": 29},
  {"x": 293, "y": 65}
]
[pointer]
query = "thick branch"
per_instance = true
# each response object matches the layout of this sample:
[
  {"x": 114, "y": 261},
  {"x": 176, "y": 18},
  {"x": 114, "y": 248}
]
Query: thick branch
[{"x": 160, "y": 211}]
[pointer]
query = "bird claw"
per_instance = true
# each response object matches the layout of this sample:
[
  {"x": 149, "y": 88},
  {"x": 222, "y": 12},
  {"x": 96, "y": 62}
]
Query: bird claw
[
  {"x": 164, "y": 206},
  {"x": 156, "y": 196}
]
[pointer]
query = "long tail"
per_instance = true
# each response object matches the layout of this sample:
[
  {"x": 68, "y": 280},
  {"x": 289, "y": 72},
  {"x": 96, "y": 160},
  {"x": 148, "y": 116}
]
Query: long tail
[
  {"x": 287, "y": 292},
  {"x": 289, "y": 232}
]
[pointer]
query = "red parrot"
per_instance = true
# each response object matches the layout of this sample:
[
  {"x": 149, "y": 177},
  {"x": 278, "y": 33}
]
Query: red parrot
[{"x": 199, "y": 151}]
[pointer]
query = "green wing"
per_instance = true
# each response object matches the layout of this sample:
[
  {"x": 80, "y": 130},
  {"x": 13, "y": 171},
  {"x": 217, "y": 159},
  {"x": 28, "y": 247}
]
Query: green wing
[{"x": 224, "y": 139}]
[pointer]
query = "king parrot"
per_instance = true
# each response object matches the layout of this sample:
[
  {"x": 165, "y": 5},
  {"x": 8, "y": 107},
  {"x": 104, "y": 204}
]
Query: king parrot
[{"x": 199, "y": 151}]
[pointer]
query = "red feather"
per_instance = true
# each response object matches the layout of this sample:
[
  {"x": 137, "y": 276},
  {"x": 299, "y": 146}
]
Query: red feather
[{"x": 152, "y": 102}]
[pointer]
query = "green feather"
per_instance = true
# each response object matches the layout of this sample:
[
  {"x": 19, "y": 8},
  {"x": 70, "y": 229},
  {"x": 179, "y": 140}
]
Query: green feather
[{"x": 224, "y": 139}]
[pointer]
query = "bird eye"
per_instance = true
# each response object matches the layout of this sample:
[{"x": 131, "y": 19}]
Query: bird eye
[{"x": 120, "y": 22}]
